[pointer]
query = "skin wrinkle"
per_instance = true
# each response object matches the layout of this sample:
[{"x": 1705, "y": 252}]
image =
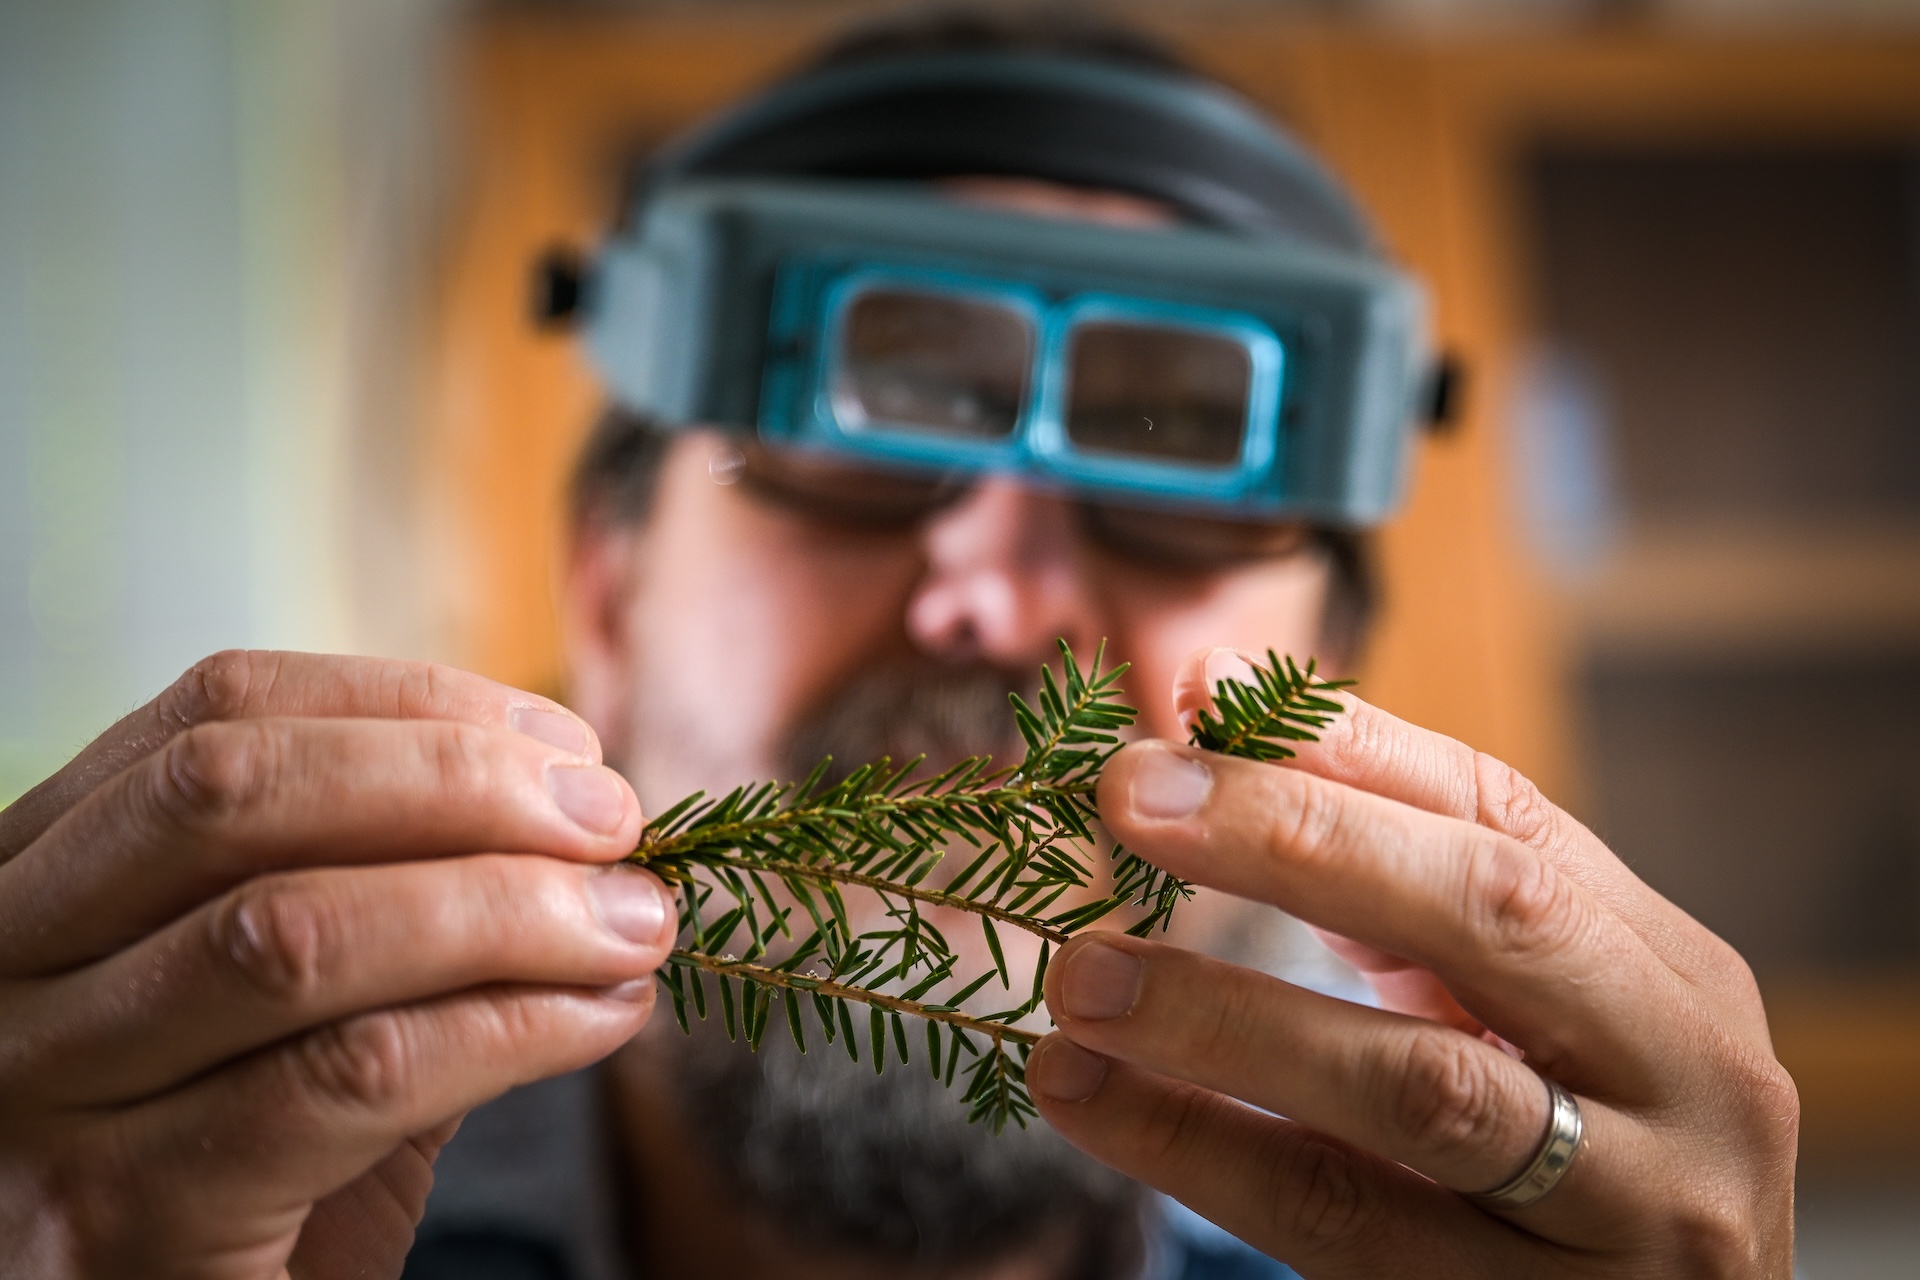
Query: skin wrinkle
[
  {"x": 461, "y": 764},
  {"x": 274, "y": 937},
  {"x": 185, "y": 786},
  {"x": 1175, "y": 1118},
  {"x": 1401, "y": 858},
  {"x": 263, "y": 684},
  {"x": 1222, "y": 1026},
  {"x": 1513, "y": 804},
  {"x": 1444, "y": 1096},
  {"x": 1522, "y": 909},
  {"x": 1335, "y": 1201},
  {"x": 1307, "y": 824}
]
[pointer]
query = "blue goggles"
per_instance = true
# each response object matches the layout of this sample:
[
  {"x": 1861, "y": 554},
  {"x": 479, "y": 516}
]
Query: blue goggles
[
  {"x": 888, "y": 324},
  {"x": 1097, "y": 390}
]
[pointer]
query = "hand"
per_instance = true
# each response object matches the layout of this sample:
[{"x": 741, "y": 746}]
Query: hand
[
  {"x": 1493, "y": 926},
  {"x": 265, "y": 941}
]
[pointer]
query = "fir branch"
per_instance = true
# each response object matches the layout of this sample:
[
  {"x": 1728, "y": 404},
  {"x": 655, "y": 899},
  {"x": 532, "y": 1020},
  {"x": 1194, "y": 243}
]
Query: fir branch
[
  {"x": 786, "y": 871},
  {"x": 1258, "y": 720},
  {"x": 753, "y": 862},
  {"x": 781, "y": 980}
]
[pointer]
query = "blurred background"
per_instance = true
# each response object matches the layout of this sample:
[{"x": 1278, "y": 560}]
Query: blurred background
[{"x": 266, "y": 379}]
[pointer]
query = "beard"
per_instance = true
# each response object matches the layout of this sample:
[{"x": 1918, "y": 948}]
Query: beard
[
  {"x": 888, "y": 1163},
  {"x": 905, "y": 709}
]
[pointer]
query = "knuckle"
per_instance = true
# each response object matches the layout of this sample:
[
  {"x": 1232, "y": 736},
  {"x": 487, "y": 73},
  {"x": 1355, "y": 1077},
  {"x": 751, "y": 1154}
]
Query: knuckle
[
  {"x": 460, "y": 758},
  {"x": 1225, "y": 1014},
  {"x": 432, "y": 685},
  {"x": 213, "y": 771},
  {"x": 1509, "y": 802},
  {"x": 1317, "y": 1192},
  {"x": 1176, "y": 1125},
  {"x": 1360, "y": 739},
  {"x": 1522, "y": 905},
  {"x": 215, "y": 688},
  {"x": 1723, "y": 961},
  {"x": 1443, "y": 1097},
  {"x": 1306, "y": 822},
  {"x": 1768, "y": 1103},
  {"x": 275, "y": 936},
  {"x": 1716, "y": 1235},
  {"x": 362, "y": 1064}
]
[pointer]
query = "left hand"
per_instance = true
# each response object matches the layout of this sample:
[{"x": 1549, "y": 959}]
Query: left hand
[{"x": 1507, "y": 943}]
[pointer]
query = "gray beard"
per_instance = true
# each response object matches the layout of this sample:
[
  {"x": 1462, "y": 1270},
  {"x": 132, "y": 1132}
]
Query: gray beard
[
  {"x": 888, "y": 1163},
  {"x": 908, "y": 709}
]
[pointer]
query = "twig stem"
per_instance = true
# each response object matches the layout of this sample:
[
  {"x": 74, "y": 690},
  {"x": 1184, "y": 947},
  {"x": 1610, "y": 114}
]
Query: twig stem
[
  {"x": 996, "y": 1031},
  {"x": 888, "y": 888}
]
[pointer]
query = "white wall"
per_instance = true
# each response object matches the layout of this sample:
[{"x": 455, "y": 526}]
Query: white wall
[{"x": 197, "y": 197}]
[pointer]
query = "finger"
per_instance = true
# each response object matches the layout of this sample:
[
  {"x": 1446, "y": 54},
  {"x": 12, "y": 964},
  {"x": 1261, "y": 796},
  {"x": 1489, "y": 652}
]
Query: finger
[
  {"x": 268, "y": 1136},
  {"x": 1376, "y": 751},
  {"x": 244, "y": 685},
  {"x": 222, "y": 803},
  {"x": 366, "y": 1227},
  {"x": 1525, "y": 950},
  {"x": 286, "y": 953},
  {"x": 1403, "y": 986},
  {"x": 1453, "y": 1108},
  {"x": 1313, "y": 1202}
]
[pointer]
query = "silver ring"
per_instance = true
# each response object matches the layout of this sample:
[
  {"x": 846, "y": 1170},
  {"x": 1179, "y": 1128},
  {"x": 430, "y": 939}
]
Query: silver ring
[{"x": 1549, "y": 1163}]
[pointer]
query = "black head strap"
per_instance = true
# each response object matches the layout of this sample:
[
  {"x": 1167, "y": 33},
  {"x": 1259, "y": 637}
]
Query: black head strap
[{"x": 1073, "y": 120}]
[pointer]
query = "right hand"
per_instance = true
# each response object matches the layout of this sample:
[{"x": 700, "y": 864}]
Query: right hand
[{"x": 264, "y": 941}]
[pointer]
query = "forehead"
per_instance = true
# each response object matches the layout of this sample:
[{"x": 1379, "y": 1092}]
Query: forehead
[{"x": 1045, "y": 199}]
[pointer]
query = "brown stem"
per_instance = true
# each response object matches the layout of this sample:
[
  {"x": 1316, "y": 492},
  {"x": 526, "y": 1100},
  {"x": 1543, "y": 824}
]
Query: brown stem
[
  {"x": 933, "y": 897},
  {"x": 733, "y": 833},
  {"x": 996, "y": 1031}
]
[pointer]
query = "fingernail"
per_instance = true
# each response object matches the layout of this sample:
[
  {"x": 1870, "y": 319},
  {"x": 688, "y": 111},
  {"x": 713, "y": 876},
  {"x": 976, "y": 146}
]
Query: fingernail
[
  {"x": 555, "y": 728},
  {"x": 1065, "y": 1072},
  {"x": 592, "y": 795},
  {"x": 629, "y": 903},
  {"x": 1228, "y": 664},
  {"x": 629, "y": 992},
  {"x": 1101, "y": 981},
  {"x": 1166, "y": 786}
]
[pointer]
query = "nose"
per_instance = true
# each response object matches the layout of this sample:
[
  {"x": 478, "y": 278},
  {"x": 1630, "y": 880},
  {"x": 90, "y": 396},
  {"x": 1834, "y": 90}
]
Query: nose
[{"x": 1003, "y": 580}]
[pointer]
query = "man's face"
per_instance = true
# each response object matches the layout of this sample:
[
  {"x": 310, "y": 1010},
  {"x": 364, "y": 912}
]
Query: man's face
[
  {"x": 747, "y": 628},
  {"x": 709, "y": 645}
]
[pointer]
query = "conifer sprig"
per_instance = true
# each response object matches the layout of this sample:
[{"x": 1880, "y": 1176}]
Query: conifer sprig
[
  {"x": 1284, "y": 704},
  {"x": 763, "y": 872}
]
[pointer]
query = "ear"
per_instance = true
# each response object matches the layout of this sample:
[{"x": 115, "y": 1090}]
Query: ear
[{"x": 603, "y": 561}]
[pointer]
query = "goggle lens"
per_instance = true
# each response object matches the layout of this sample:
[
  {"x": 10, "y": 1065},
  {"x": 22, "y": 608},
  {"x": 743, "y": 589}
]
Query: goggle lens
[
  {"x": 929, "y": 362},
  {"x": 827, "y": 489},
  {"x": 1157, "y": 392}
]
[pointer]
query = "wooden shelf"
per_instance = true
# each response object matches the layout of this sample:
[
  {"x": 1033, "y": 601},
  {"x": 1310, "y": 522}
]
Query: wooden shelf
[
  {"x": 1731, "y": 592},
  {"x": 1852, "y": 1045}
]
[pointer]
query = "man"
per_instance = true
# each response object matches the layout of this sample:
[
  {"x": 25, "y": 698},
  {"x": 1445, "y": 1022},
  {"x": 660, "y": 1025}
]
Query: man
[{"x": 992, "y": 345}]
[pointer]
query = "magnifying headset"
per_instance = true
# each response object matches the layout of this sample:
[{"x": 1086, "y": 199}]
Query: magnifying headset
[{"x": 794, "y": 273}]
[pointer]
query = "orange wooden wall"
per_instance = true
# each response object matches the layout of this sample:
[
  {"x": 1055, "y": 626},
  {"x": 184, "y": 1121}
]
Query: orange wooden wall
[{"x": 1466, "y": 647}]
